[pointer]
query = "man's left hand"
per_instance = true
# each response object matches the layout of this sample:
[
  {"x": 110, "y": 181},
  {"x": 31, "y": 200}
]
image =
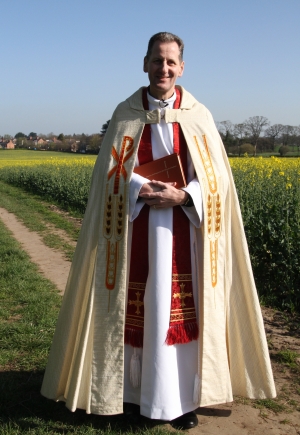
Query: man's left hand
[{"x": 167, "y": 196}]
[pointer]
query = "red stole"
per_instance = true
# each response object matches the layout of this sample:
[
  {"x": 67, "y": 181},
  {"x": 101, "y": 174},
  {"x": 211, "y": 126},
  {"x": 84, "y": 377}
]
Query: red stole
[{"x": 183, "y": 326}]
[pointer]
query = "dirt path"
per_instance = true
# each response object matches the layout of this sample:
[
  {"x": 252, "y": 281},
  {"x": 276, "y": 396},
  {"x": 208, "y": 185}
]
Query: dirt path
[
  {"x": 51, "y": 263},
  {"x": 242, "y": 417}
]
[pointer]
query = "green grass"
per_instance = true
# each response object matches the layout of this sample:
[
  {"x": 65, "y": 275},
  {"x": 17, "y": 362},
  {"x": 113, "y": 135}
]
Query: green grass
[
  {"x": 288, "y": 357},
  {"x": 270, "y": 404},
  {"x": 37, "y": 215},
  {"x": 29, "y": 306}
]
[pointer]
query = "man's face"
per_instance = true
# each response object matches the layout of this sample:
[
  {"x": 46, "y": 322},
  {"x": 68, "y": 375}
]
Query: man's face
[{"x": 163, "y": 68}]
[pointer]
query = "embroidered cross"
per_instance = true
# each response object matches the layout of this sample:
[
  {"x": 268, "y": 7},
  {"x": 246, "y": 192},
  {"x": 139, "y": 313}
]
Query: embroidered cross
[
  {"x": 137, "y": 303},
  {"x": 182, "y": 295},
  {"x": 120, "y": 160}
]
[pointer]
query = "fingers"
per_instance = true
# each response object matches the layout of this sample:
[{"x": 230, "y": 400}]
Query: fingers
[
  {"x": 160, "y": 190},
  {"x": 163, "y": 185}
]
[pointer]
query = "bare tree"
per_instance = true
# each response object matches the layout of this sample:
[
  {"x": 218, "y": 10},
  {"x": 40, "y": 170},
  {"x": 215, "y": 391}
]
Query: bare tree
[
  {"x": 219, "y": 127},
  {"x": 227, "y": 126},
  {"x": 226, "y": 129},
  {"x": 240, "y": 133},
  {"x": 273, "y": 132},
  {"x": 288, "y": 133},
  {"x": 254, "y": 126}
]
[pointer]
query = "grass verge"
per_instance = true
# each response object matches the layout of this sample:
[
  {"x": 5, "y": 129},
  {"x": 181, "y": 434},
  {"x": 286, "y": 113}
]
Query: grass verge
[{"x": 39, "y": 216}]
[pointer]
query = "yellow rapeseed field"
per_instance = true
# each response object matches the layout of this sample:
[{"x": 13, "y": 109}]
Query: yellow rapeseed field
[
  {"x": 269, "y": 195},
  {"x": 281, "y": 171},
  {"x": 10, "y": 158}
]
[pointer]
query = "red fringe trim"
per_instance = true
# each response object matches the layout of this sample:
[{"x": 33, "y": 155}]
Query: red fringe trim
[
  {"x": 133, "y": 337},
  {"x": 182, "y": 333}
]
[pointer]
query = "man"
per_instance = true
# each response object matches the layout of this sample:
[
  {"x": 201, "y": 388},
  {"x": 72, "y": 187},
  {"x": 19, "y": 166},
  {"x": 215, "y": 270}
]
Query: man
[{"x": 166, "y": 270}]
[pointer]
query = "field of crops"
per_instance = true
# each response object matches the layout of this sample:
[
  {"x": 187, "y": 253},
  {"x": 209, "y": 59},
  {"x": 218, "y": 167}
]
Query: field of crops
[
  {"x": 61, "y": 177},
  {"x": 268, "y": 189},
  {"x": 269, "y": 194}
]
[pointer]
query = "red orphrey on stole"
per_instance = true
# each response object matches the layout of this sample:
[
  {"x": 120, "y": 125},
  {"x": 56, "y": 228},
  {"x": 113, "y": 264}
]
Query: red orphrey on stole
[{"x": 183, "y": 326}]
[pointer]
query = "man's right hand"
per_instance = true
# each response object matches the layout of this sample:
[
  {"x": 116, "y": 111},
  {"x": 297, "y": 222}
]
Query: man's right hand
[{"x": 149, "y": 188}]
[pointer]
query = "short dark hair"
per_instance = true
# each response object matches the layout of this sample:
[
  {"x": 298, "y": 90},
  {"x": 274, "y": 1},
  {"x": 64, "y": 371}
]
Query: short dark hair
[{"x": 165, "y": 37}]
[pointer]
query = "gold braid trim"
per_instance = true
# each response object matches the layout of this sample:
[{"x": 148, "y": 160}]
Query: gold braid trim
[
  {"x": 137, "y": 285},
  {"x": 181, "y": 277},
  {"x": 134, "y": 322},
  {"x": 182, "y": 316}
]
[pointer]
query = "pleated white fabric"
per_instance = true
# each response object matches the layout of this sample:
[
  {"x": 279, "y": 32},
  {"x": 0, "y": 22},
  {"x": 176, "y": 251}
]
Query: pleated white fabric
[{"x": 168, "y": 372}]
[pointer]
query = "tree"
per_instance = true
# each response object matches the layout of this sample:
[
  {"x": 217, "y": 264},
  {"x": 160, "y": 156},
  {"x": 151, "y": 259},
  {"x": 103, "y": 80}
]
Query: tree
[
  {"x": 22, "y": 142},
  {"x": 32, "y": 135},
  {"x": 254, "y": 127},
  {"x": 226, "y": 129},
  {"x": 83, "y": 142},
  {"x": 104, "y": 128},
  {"x": 240, "y": 133},
  {"x": 227, "y": 126},
  {"x": 273, "y": 132},
  {"x": 246, "y": 148},
  {"x": 288, "y": 135},
  {"x": 61, "y": 137},
  {"x": 20, "y": 135},
  {"x": 94, "y": 144},
  {"x": 264, "y": 144},
  {"x": 297, "y": 138},
  {"x": 283, "y": 150}
]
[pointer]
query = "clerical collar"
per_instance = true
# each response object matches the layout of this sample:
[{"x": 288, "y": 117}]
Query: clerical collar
[{"x": 161, "y": 103}]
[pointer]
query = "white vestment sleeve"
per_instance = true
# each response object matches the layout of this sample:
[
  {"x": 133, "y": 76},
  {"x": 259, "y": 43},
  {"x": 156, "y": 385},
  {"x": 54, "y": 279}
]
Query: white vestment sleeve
[
  {"x": 195, "y": 213},
  {"x": 135, "y": 207}
]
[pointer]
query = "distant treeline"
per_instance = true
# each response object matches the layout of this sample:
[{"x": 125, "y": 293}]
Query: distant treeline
[
  {"x": 79, "y": 143},
  {"x": 253, "y": 136},
  {"x": 257, "y": 135}
]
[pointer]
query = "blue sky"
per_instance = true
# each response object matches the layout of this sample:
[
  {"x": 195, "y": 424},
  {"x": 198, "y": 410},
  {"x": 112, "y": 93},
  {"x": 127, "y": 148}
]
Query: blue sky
[{"x": 66, "y": 64}]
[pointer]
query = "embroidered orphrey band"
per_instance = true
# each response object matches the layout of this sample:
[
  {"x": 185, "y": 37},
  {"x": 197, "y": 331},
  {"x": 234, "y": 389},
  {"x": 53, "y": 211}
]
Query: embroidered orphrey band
[
  {"x": 114, "y": 209},
  {"x": 213, "y": 207}
]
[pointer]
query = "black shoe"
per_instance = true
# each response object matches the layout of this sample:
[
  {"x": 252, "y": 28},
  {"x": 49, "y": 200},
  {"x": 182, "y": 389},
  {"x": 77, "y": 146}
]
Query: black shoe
[
  {"x": 132, "y": 413},
  {"x": 185, "y": 421}
]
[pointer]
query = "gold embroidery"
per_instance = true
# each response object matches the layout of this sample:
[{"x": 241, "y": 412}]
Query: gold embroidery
[
  {"x": 120, "y": 216},
  {"x": 213, "y": 262},
  {"x": 206, "y": 160},
  {"x": 137, "y": 285},
  {"x": 181, "y": 309},
  {"x": 213, "y": 204},
  {"x": 217, "y": 216},
  {"x": 181, "y": 277},
  {"x": 182, "y": 295},
  {"x": 108, "y": 215},
  {"x": 209, "y": 214},
  {"x": 182, "y": 316},
  {"x": 114, "y": 211},
  {"x": 111, "y": 264},
  {"x": 134, "y": 322},
  {"x": 137, "y": 303}
]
